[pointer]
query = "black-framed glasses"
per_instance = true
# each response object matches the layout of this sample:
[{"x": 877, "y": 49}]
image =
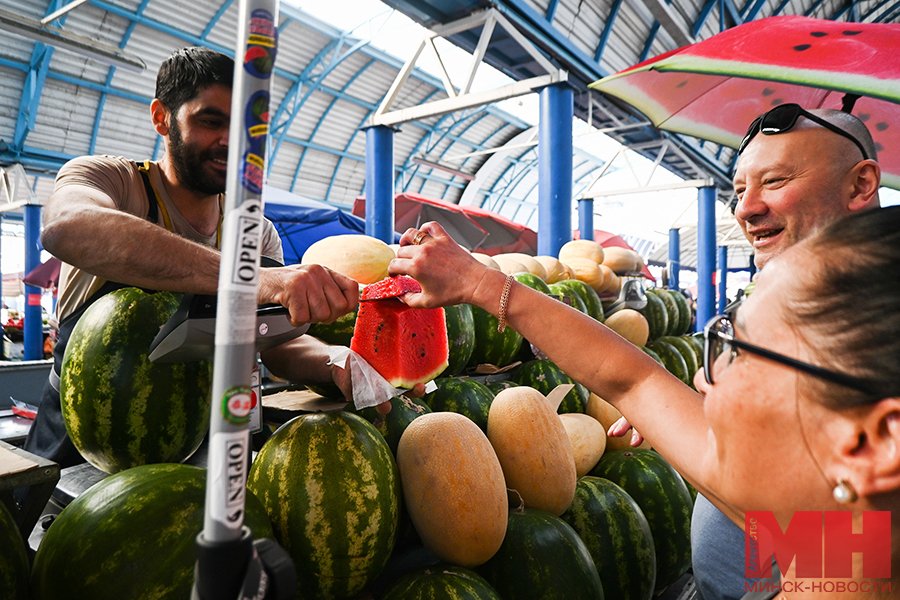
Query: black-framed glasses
[
  {"x": 782, "y": 119},
  {"x": 720, "y": 347}
]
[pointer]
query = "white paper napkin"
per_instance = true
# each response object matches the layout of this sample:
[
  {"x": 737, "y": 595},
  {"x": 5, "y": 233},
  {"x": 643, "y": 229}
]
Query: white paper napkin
[{"x": 369, "y": 387}]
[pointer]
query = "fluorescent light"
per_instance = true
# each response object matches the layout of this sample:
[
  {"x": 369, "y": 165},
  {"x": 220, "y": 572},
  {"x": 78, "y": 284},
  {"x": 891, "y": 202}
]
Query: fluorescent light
[{"x": 59, "y": 38}]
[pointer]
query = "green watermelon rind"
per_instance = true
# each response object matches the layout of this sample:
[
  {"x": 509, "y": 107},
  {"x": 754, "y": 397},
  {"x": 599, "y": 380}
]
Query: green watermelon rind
[
  {"x": 687, "y": 353},
  {"x": 542, "y": 558},
  {"x": 672, "y": 310},
  {"x": 617, "y": 534},
  {"x": 460, "y": 338},
  {"x": 491, "y": 346},
  {"x": 544, "y": 375},
  {"x": 331, "y": 489},
  {"x": 404, "y": 410},
  {"x": 575, "y": 301},
  {"x": 685, "y": 315},
  {"x": 14, "y": 563},
  {"x": 121, "y": 410},
  {"x": 593, "y": 306},
  {"x": 448, "y": 582},
  {"x": 664, "y": 499},
  {"x": 657, "y": 316},
  {"x": 337, "y": 333},
  {"x": 672, "y": 359},
  {"x": 132, "y": 535},
  {"x": 461, "y": 395}
]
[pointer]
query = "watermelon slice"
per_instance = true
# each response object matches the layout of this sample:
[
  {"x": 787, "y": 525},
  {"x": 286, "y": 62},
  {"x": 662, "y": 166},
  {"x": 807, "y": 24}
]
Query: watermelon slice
[
  {"x": 404, "y": 345},
  {"x": 391, "y": 287}
]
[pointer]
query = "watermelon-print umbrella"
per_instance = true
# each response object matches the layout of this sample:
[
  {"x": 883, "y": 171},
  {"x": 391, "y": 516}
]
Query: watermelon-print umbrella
[{"x": 715, "y": 88}]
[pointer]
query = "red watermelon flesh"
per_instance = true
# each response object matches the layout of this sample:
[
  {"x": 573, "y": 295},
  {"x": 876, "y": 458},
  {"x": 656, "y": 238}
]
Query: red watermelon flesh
[
  {"x": 405, "y": 345},
  {"x": 391, "y": 287}
]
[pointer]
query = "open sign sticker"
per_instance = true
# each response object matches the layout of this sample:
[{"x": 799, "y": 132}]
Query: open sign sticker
[{"x": 236, "y": 405}]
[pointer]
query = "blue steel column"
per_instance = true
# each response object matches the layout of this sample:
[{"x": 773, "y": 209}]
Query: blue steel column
[
  {"x": 674, "y": 266},
  {"x": 752, "y": 267},
  {"x": 380, "y": 183},
  {"x": 34, "y": 325},
  {"x": 706, "y": 255},
  {"x": 555, "y": 168},
  {"x": 723, "y": 278},
  {"x": 586, "y": 218}
]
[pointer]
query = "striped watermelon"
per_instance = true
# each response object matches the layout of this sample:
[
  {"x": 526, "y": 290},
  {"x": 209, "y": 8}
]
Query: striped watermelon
[
  {"x": 491, "y": 346},
  {"x": 331, "y": 488},
  {"x": 542, "y": 558},
  {"x": 500, "y": 385},
  {"x": 337, "y": 333},
  {"x": 444, "y": 582},
  {"x": 132, "y": 535},
  {"x": 652, "y": 354},
  {"x": 460, "y": 338},
  {"x": 532, "y": 281},
  {"x": 14, "y": 567},
  {"x": 592, "y": 303},
  {"x": 120, "y": 409},
  {"x": 660, "y": 492},
  {"x": 687, "y": 353},
  {"x": 657, "y": 316},
  {"x": 618, "y": 537},
  {"x": 544, "y": 375},
  {"x": 672, "y": 359},
  {"x": 392, "y": 425},
  {"x": 569, "y": 295},
  {"x": 685, "y": 314},
  {"x": 673, "y": 316},
  {"x": 461, "y": 395}
]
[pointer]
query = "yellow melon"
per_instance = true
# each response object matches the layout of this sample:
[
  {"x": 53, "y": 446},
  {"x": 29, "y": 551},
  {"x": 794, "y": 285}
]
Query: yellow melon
[
  {"x": 486, "y": 260},
  {"x": 611, "y": 283},
  {"x": 533, "y": 448},
  {"x": 581, "y": 249},
  {"x": 453, "y": 488},
  {"x": 607, "y": 414},
  {"x": 359, "y": 257},
  {"x": 589, "y": 272},
  {"x": 556, "y": 271},
  {"x": 588, "y": 439},
  {"x": 531, "y": 264},
  {"x": 631, "y": 325},
  {"x": 510, "y": 265},
  {"x": 620, "y": 260}
]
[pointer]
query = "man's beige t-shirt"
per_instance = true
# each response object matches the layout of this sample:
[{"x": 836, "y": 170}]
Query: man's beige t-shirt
[{"x": 120, "y": 179}]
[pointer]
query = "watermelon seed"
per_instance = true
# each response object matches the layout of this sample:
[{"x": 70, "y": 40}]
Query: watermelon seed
[
  {"x": 818, "y": 34},
  {"x": 682, "y": 84},
  {"x": 851, "y": 32},
  {"x": 802, "y": 47},
  {"x": 768, "y": 92},
  {"x": 881, "y": 126}
]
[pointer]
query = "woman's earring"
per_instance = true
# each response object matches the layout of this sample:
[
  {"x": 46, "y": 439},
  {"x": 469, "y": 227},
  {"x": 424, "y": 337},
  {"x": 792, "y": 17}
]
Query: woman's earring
[{"x": 844, "y": 492}]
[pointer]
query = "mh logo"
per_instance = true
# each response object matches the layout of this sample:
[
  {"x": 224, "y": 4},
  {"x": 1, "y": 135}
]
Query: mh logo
[{"x": 821, "y": 542}]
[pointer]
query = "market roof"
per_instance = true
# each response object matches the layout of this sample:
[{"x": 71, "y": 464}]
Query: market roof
[{"x": 56, "y": 103}]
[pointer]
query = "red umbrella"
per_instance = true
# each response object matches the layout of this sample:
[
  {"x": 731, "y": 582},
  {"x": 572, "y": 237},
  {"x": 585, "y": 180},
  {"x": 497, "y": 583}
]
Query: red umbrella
[
  {"x": 715, "y": 88},
  {"x": 45, "y": 275},
  {"x": 477, "y": 229}
]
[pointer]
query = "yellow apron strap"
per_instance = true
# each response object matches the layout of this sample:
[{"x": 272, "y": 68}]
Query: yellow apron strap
[{"x": 165, "y": 213}]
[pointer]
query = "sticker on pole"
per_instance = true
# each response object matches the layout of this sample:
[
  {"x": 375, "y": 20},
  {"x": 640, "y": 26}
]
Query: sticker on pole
[
  {"x": 256, "y": 122},
  {"x": 228, "y": 470},
  {"x": 236, "y": 405},
  {"x": 259, "y": 58}
]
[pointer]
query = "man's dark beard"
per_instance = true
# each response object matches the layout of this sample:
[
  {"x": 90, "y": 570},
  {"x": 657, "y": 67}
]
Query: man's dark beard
[{"x": 188, "y": 164}]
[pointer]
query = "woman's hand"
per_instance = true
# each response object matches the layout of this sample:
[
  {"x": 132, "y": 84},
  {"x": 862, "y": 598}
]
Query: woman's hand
[{"x": 448, "y": 273}]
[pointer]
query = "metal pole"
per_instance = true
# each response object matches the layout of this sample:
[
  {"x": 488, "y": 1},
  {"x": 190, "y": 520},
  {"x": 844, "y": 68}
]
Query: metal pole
[
  {"x": 674, "y": 266},
  {"x": 555, "y": 168},
  {"x": 34, "y": 325},
  {"x": 586, "y": 218},
  {"x": 380, "y": 183},
  {"x": 706, "y": 255},
  {"x": 723, "y": 278}
]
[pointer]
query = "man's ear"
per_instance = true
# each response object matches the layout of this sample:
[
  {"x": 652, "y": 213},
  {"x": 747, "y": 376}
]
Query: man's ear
[
  {"x": 160, "y": 116},
  {"x": 869, "y": 449},
  {"x": 865, "y": 181}
]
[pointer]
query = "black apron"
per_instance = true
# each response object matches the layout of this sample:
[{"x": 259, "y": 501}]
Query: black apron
[{"x": 48, "y": 436}]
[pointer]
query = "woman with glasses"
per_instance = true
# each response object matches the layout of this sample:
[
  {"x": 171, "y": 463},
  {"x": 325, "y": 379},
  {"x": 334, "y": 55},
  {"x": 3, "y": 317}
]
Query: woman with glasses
[{"x": 801, "y": 405}]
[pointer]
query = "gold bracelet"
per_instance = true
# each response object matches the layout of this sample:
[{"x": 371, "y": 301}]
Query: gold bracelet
[{"x": 504, "y": 300}]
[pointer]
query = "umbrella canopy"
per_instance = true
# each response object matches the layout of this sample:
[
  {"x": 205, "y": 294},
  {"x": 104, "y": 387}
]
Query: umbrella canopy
[
  {"x": 301, "y": 222},
  {"x": 45, "y": 275},
  {"x": 715, "y": 88},
  {"x": 475, "y": 228}
]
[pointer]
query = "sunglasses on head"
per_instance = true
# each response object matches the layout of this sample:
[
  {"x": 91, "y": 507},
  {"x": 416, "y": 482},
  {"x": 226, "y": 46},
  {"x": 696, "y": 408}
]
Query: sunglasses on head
[{"x": 782, "y": 119}]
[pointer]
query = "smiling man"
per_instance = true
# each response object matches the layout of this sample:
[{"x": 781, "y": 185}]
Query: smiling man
[
  {"x": 116, "y": 222},
  {"x": 799, "y": 171}
]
